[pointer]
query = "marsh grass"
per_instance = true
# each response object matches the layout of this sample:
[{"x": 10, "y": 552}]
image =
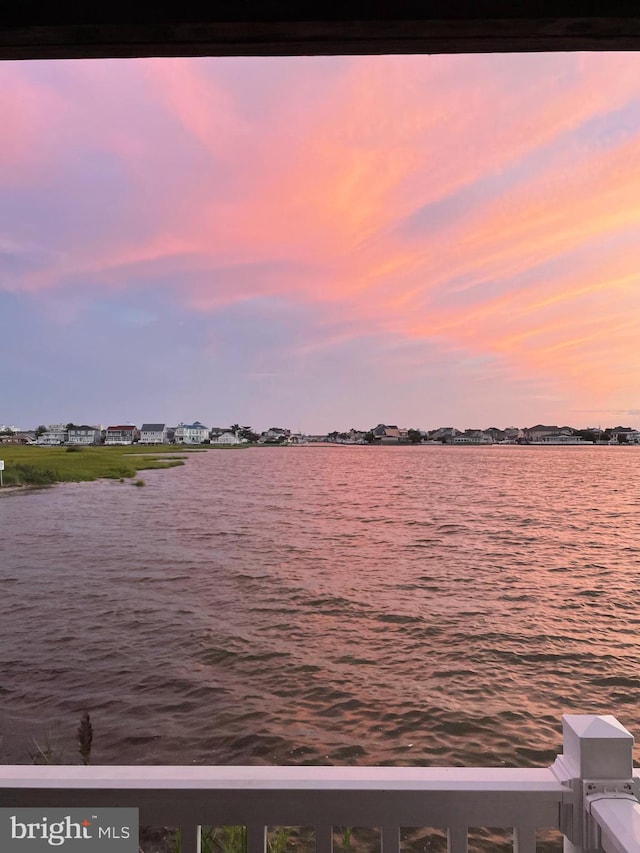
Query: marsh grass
[
  {"x": 46, "y": 751},
  {"x": 216, "y": 839},
  {"x": 28, "y": 475},
  {"x": 233, "y": 839},
  {"x": 43, "y": 466}
]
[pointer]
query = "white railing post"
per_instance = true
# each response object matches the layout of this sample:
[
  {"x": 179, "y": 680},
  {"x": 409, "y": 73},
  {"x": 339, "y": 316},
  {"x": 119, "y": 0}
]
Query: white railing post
[{"x": 597, "y": 760}]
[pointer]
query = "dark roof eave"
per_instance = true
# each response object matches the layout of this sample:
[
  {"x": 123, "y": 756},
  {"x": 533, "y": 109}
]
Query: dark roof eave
[{"x": 251, "y": 28}]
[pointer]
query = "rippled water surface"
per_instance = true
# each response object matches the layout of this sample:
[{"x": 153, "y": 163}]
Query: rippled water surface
[{"x": 326, "y": 604}]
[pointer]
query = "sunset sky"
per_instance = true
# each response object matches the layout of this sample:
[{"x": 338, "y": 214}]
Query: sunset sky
[{"x": 321, "y": 242}]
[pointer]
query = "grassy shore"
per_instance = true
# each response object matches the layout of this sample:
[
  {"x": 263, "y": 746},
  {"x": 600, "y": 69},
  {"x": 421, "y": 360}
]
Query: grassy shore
[{"x": 41, "y": 466}]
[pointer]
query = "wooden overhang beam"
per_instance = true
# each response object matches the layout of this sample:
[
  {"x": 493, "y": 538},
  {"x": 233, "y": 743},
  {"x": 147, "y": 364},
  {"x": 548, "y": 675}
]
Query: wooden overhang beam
[{"x": 88, "y": 30}]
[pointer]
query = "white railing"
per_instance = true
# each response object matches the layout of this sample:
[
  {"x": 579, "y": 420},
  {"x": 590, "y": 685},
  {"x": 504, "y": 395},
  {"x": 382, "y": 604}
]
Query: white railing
[{"x": 588, "y": 794}]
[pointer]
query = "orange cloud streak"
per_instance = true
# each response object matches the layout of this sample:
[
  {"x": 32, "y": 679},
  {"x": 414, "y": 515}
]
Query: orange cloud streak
[{"x": 329, "y": 176}]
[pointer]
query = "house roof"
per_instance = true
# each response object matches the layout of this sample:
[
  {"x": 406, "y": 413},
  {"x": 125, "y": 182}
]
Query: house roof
[
  {"x": 129, "y": 427},
  {"x": 383, "y": 429},
  {"x": 153, "y": 427}
]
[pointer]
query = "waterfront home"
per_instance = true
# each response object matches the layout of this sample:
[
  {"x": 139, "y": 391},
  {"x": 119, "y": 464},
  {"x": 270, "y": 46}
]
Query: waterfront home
[
  {"x": 512, "y": 433},
  {"x": 17, "y": 437},
  {"x": 562, "y": 438},
  {"x": 56, "y": 435},
  {"x": 296, "y": 438},
  {"x": 195, "y": 433},
  {"x": 444, "y": 434},
  {"x": 354, "y": 436},
  {"x": 153, "y": 434},
  {"x": 472, "y": 436},
  {"x": 84, "y": 435},
  {"x": 540, "y": 432},
  {"x": 390, "y": 434},
  {"x": 274, "y": 435},
  {"x": 623, "y": 435},
  {"x": 122, "y": 434},
  {"x": 228, "y": 437}
]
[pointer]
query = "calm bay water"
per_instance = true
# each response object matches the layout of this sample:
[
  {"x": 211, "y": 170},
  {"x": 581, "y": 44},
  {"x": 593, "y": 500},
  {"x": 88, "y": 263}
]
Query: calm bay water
[{"x": 334, "y": 605}]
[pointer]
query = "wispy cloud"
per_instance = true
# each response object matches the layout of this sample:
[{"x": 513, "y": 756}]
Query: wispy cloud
[{"x": 463, "y": 222}]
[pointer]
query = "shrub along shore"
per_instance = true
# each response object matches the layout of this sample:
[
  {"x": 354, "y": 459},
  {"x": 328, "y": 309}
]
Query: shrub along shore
[{"x": 43, "y": 466}]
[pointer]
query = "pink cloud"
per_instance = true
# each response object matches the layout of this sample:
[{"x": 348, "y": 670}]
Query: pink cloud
[{"x": 313, "y": 191}]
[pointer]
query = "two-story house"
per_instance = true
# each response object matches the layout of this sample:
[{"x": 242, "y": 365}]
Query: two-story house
[
  {"x": 195, "y": 433},
  {"x": 153, "y": 434},
  {"x": 84, "y": 435},
  {"x": 122, "y": 434},
  {"x": 55, "y": 435}
]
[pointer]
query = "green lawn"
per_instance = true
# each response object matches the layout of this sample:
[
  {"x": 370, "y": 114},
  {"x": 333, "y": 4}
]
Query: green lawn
[{"x": 42, "y": 465}]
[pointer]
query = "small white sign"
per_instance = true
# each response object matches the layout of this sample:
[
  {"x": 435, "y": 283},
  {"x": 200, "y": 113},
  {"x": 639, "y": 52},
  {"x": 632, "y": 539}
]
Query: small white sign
[{"x": 1, "y": 465}]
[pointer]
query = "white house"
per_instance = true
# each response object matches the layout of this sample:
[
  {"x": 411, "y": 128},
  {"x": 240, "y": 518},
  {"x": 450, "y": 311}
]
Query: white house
[
  {"x": 474, "y": 436},
  {"x": 228, "y": 438},
  {"x": 153, "y": 434},
  {"x": 562, "y": 438},
  {"x": 195, "y": 433},
  {"x": 56, "y": 434}
]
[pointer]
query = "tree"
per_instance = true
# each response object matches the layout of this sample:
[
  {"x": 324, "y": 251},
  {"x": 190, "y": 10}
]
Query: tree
[
  {"x": 415, "y": 436},
  {"x": 40, "y": 430},
  {"x": 248, "y": 434},
  {"x": 369, "y": 437},
  {"x": 586, "y": 435}
]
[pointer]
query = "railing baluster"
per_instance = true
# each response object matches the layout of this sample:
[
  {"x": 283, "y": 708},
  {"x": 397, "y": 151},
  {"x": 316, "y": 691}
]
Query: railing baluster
[
  {"x": 524, "y": 839},
  {"x": 256, "y": 838},
  {"x": 324, "y": 839},
  {"x": 457, "y": 839},
  {"x": 190, "y": 841},
  {"x": 390, "y": 839}
]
